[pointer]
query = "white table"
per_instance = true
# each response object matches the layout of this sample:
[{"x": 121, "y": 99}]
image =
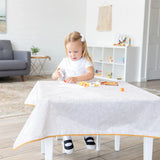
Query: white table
[{"x": 63, "y": 109}]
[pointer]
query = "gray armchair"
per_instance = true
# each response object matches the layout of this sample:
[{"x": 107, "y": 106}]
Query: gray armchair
[{"x": 13, "y": 63}]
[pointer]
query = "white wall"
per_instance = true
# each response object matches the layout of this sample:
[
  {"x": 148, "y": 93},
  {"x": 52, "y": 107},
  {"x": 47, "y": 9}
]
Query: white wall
[
  {"x": 44, "y": 23},
  {"x": 127, "y": 18}
]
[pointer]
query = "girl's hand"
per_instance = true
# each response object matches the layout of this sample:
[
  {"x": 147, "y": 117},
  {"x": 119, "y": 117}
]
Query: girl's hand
[
  {"x": 71, "y": 80},
  {"x": 58, "y": 74}
]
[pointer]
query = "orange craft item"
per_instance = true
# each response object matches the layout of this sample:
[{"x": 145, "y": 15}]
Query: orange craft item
[{"x": 122, "y": 89}]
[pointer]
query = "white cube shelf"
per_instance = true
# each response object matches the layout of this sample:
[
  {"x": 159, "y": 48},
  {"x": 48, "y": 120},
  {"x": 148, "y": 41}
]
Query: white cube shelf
[{"x": 120, "y": 62}]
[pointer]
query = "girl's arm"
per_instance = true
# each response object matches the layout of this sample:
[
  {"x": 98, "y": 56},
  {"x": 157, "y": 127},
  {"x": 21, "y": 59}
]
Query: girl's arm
[{"x": 85, "y": 77}]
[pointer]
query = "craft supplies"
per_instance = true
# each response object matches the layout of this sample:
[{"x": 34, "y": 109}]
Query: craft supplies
[
  {"x": 122, "y": 89},
  {"x": 109, "y": 83},
  {"x": 86, "y": 84}
]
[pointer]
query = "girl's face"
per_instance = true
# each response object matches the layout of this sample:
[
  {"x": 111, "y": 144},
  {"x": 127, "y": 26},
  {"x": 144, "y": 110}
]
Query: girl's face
[{"x": 74, "y": 50}]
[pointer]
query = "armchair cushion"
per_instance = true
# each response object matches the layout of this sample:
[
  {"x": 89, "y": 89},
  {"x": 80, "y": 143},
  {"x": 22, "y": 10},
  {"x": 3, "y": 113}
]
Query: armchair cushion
[
  {"x": 6, "y": 65},
  {"x": 6, "y": 50},
  {"x": 22, "y": 55}
]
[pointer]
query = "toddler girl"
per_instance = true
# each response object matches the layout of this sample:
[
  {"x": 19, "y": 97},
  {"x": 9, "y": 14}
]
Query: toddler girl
[{"x": 77, "y": 66}]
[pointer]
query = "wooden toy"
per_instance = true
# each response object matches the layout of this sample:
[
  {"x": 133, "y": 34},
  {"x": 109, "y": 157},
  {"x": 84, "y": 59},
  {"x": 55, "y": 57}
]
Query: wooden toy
[
  {"x": 109, "y": 83},
  {"x": 119, "y": 44},
  {"x": 122, "y": 41},
  {"x": 119, "y": 78},
  {"x": 98, "y": 74},
  {"x": 110, "y": 59}
]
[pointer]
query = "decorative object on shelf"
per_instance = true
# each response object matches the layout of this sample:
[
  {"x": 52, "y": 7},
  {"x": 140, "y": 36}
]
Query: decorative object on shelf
[
  {"x": 110, "y": 59},
  {"x": 98, "y": 74},
  {"x": 130, "y": 41},
  {"x": 34, "y": 50},
  {"x": 122, "y": 40},
  {"x": 109, "y": 74},
  {"x": 119, "y": 78},
  {"x": 97, "y": 71},
  {"x": 122, "y": 60}
]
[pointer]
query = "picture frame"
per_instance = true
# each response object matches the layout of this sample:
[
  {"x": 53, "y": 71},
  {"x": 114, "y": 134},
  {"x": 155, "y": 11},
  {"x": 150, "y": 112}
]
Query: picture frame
[{"x": 3, "y": 17}]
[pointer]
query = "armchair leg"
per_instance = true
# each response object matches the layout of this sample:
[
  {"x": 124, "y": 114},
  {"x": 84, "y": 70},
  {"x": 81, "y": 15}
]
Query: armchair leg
[{"x": 22, "y": 78}]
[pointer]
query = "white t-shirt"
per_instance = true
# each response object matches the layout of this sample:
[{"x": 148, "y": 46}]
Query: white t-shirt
[{"x": 74, "y": 68}]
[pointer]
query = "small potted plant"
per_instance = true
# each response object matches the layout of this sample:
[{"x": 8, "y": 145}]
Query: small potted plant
[{"x": 34, "y": 50}]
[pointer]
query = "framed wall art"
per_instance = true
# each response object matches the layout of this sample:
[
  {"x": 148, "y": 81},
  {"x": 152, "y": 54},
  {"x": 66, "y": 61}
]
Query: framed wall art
[{"x": 3, "y": 16}]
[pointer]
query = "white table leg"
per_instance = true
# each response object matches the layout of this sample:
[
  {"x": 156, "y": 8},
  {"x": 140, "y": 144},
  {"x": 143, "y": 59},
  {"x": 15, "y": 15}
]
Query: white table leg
[
  {"x": 117, "y": 143},
  {"x": 43, "y": 146},
  {"x": 98, "y": 143},
  {"x": 49, "y": 149},
  {"x": 147, "y": 148}
]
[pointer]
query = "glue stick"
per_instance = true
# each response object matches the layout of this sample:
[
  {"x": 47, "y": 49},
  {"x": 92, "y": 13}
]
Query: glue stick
[{"x": 62, "y": 74}]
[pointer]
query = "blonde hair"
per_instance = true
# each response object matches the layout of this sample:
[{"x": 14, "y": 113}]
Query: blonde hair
[{"x": 75, "y": 36}]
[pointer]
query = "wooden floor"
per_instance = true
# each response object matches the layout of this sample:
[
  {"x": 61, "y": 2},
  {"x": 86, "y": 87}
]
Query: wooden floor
[{"x": 131, "y": 147}]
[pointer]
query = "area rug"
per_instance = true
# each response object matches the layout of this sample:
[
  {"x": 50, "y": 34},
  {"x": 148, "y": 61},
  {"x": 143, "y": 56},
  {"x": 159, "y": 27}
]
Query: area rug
[{"x": 13, "y": 93}]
